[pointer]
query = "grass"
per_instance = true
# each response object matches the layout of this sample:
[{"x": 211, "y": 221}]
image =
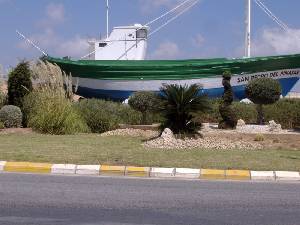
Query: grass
[{"x": 93, "y": 149}]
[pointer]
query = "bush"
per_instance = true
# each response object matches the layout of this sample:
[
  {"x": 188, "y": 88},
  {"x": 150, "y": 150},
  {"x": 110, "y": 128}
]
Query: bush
[
  {"x": 3, "y": 99},
  {"x": 263, "y": 91},
  {"x": 144, "y": 102},
  {"x": 229, "y": 119},
  {"x": 246, "y": 112},
  {"x": 50, "y": 112},
  {"x": 178, "y": 106},
  {"x": 11, "y": 116},
  {"x": 100, "y": 115},
  {"x": 285, "y": 112},
  {"x": 46, "y": 74},
  {"x": 19, "y": 84},
  {"x": 259, "y": 138},
  {"x": 2, "y": 125}
]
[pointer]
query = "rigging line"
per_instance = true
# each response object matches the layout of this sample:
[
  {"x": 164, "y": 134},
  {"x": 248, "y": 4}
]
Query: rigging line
[
  {"x": 162, "y": 26},
  {"x": 271, "y": 15},
  {"x": 30, "y": 42},
  {"x": 156, "y": 30},
  {"x": 175, "y": 17},
  {"x": 167, "y": 13}
]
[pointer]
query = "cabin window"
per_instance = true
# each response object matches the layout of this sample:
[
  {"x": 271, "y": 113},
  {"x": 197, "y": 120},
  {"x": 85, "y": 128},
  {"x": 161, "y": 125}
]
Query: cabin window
[
  {"x": 102, "y": 45},
  {"x": 142, "y": 33}
]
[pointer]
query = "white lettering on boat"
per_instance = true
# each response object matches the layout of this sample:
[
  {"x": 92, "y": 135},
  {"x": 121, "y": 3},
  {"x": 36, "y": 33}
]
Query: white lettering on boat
[{"x": 274, "y": 74}]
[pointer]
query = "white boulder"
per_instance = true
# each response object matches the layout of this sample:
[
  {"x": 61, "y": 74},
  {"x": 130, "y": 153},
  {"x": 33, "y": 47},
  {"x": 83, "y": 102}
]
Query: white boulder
[
  {"x": 274, "y": 127},
  {"x": 167, "y": 134}
]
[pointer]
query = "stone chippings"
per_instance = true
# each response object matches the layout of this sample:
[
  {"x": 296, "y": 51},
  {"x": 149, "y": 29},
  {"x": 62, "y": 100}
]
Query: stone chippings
[
  {"x": 206, "y": 143},
  {"x": 167, "y": 139},
  {"x": 132, "y": 133}
]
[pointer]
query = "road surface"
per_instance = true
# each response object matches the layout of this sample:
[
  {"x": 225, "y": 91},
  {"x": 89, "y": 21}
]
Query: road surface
[{"x": 72, "y": 200}]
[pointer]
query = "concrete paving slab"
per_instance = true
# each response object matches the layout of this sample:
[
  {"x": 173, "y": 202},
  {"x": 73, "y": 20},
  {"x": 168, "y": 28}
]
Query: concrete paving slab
[
  {"x": 133, "y": 171},
  {"x": 112, "y": 170},
  {"x": 27, "y": 167},
  {"x": 237, "y": 174},
  {"x": 2, "y": 164},
  {"x": 162, "y": 172},
  {"x": 262, "y": 175},
  {"x": 287, "y": 175},
  {"x": 88, "y": 169},
  {"x": 187, "y": 173},
  {"x": 212, "y": 174},
  {"x": 63, "y": 169}
]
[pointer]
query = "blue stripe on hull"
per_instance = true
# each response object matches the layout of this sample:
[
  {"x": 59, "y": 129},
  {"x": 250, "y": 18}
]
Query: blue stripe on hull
[{"x": 239, "y": 91}]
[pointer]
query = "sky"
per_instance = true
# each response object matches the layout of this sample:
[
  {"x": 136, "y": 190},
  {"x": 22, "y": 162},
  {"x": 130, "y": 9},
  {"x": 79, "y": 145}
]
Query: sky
[{"x": 211, "y": 29}]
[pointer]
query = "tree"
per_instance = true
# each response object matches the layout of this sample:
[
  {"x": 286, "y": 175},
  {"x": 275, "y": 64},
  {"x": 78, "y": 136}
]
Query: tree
[
  {"x": 229, "y": 120},
  {"x": 144, "y": 102},
  {"x": 263, "y": 91},
  {"x": 19, "y": 84},
  {"x": 179, "y": 103}
]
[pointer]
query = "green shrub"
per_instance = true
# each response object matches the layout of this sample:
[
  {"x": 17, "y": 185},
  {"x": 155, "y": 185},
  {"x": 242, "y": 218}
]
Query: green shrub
[
  {"x": 263, "y": 91},
  {"x": 285, "y": 112},
  {"x": 246, "y": 112},
  {"x": 178, "y": 106},
  {"x": 3, "y": 99},
  {"x": 127, "y": 115},
  {"x": 19, "y": 84},
  {"x": 259, "y": 138},
  {"x": 100, "y": 115},
  {"x": 50, "y": 112},
  {"x": 144, "y": 102},
  {"x": 2, "y": 125},
  {"x": 229, "y": 118},
  {"x": 11, "y": 116}
]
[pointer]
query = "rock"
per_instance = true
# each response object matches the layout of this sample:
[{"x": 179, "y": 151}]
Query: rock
[
  {"x": 274, "y": 127},
  {"x": 241, "y": 123},
  {"x": 167, "y": 134}
]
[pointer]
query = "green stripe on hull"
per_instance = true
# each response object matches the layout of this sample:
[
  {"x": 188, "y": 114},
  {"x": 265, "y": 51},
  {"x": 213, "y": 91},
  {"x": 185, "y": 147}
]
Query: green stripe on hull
[{"x": 173, "y": 69}]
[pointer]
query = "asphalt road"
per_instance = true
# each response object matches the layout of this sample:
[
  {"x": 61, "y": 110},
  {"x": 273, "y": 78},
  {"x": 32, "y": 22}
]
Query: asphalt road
[{"x": 70, "y": 200}]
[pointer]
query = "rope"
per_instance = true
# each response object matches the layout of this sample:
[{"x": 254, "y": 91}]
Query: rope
[
  {"x": 31, "y": 42},
  {"x": 175, "y": 17},
  {"x": 167, "y": 13},
  {"x": 271, "y": 15},
  {"x": 156, "y": 19}
]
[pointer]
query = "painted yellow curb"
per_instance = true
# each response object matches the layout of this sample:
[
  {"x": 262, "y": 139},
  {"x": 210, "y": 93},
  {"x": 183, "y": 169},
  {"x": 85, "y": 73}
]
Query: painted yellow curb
[
  {"x": 237, "y": 174},
  {"x": 27, "y": 167},
  {"x": 112, "y": 170},
  {"x": 212, "y": 174},
  {"x": 132, "y": 171}
]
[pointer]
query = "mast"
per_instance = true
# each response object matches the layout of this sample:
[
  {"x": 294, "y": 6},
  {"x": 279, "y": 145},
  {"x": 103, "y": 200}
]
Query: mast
[
  {"x": 248, "y": 30},
  {"x": 107, "y": 18}
]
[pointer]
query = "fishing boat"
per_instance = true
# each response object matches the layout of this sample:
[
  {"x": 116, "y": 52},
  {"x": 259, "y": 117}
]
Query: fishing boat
[{"x": 116, "y": 67}]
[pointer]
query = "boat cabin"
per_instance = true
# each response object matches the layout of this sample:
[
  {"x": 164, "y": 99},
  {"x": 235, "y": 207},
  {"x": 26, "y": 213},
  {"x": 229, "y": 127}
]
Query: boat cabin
[{"x": 124, "y": 43}]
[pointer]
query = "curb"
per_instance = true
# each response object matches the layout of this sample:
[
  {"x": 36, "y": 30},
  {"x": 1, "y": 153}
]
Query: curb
[{"x": 158, "y": 172}]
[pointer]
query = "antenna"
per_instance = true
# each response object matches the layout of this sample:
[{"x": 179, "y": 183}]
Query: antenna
[
  {"x": 30, "y": 42},
  {"x": 248, "y": 30},
  {"x": 107, "y": 18}
]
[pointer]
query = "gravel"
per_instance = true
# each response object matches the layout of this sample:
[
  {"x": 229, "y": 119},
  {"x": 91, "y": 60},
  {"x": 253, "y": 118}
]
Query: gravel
[
  {"x": 208, "y": 141},
  {"x": 132, "y": 133},
  {"x": 204, "y": 143}
]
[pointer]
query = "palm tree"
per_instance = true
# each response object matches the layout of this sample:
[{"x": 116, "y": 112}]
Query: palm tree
[{"x": 178, "y": 105}]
